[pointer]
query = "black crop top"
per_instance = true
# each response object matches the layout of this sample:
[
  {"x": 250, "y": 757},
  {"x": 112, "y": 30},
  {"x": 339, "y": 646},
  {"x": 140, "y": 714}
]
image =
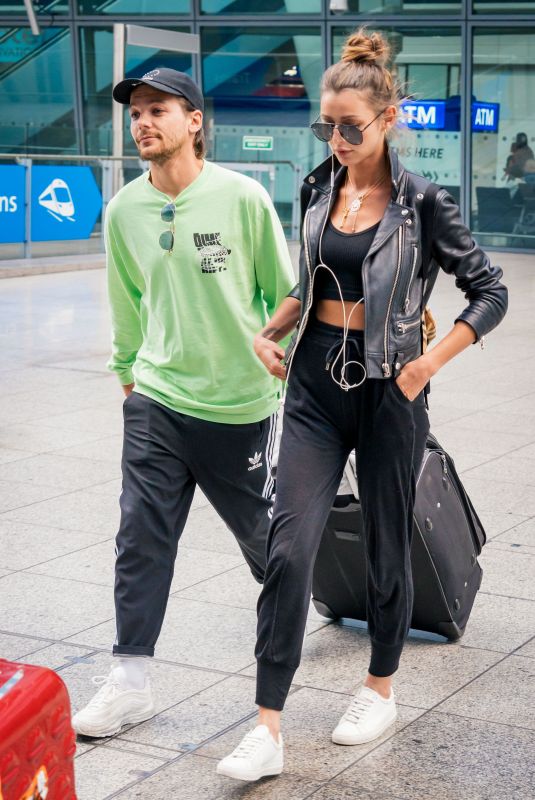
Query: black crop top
[{"x": 344, "y": 253}]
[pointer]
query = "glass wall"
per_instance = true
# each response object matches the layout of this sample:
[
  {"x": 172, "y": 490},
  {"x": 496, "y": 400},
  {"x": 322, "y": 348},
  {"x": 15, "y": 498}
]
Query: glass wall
[
  {"x": 260, "y": 65},
  {"x": 113, "y": 7},
  {"x": 497, "y": 7},
  {"x": 41, "y": 7},
  {"x": 96, "y": 52},
  {"x": 37, "y": 91},
  {"x": 503, "y": 160},
  {"x": 404, "y": 7},
  {"x": 260, "y": 7},
  {"x": 262, "y": 90},
  {"x": 427, "y": 65}
]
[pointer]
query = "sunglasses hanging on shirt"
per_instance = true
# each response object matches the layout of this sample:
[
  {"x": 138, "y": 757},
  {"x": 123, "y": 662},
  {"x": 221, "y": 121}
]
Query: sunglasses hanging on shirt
[{"x": 167, "y": 238}]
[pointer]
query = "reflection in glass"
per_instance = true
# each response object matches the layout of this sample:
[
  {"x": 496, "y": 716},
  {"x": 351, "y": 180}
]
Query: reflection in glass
[
  {"x": 134, "y": 7},
  {"x": 40, "y": 7},
  {"x": 497, "y": 7},
  {"x": 427, "y": 64},
  {"x": 264, "y": 83},
  {"x": 503, "y": 163},
  {"x": 261, "y": 7},
  {"x": 97, "y": 71},
  {"x": 394, "y": 6},
  {"x": 36, "y": 91}
]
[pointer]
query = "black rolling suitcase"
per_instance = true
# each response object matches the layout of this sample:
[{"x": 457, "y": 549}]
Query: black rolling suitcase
[{"x": 447, "y": 539}]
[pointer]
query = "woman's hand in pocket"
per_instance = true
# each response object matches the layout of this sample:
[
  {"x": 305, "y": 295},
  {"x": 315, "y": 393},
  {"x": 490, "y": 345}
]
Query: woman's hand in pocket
[{"x": 415, "y": 376}]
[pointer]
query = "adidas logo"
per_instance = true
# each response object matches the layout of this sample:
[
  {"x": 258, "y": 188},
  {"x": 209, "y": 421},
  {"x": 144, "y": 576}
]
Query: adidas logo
[{"x": 255, "y": 461}]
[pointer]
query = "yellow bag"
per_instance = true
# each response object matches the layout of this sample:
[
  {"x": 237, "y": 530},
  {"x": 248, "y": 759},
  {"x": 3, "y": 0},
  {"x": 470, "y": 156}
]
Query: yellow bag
[{"x": 429, "y": 328}]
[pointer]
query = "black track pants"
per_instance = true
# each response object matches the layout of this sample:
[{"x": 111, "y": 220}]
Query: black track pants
[
  {"x": 165, "y": 455},
  {"x": 322, "y": 424}
]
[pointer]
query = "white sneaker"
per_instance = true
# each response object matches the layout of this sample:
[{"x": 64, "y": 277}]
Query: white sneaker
[
  {"x": 368, "y": 716},
  {"x": 114, "y": 706},
  {"x": 257, "y": 756}
]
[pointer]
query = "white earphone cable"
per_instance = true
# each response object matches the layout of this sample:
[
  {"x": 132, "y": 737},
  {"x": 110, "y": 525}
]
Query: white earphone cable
[{"x": 343, "y": 383}]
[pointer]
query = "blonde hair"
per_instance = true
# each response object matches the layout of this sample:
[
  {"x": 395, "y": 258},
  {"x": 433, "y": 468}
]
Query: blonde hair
[{"x": 363, "y": 67}]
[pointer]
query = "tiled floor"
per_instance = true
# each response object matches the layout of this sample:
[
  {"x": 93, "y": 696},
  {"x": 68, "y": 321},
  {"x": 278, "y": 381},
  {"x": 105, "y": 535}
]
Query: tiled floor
[{"x": 466, "y": 725}]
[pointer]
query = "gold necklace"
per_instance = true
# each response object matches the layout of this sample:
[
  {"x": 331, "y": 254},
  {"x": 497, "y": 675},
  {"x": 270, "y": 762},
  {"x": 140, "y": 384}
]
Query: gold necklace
[{"x": 354, "y": 206}]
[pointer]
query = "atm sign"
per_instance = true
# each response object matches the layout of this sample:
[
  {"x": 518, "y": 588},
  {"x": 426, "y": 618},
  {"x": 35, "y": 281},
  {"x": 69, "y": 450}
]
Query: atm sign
[
  {"x": 485, "y": 117},
  {"x": 443, "y": 115},
  {"x": 428, "y": 114}
]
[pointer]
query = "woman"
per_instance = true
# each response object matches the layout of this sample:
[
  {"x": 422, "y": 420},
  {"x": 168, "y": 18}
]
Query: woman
[{"x": 356, "y": 376}]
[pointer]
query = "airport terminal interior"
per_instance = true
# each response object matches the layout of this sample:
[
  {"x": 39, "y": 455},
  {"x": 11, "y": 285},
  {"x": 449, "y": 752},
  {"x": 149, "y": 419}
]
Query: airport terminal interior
[
  {"x": 465, "y": 67},
  {"x": 466, "y": 724}
]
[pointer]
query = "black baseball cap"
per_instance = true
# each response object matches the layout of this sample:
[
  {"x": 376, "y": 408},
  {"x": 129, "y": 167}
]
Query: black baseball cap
[{"x": 166, "y": 80}]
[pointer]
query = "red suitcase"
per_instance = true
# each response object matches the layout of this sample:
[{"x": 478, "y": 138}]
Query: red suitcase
[{"x": 37, "y": 742}]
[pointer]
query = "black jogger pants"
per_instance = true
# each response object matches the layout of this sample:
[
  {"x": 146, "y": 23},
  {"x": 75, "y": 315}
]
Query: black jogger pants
[
  {"x": 165, "y": 455},
  {"x": 322, "y": 424}
]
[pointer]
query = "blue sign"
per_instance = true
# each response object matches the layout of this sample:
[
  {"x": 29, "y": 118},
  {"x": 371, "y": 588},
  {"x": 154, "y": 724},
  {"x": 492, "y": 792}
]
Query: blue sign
[
  {"x": 66, "y": 203},
  {"x": 12, "y": 199},
  {"x": 428, "y": 114},
  {"x": 485, "y": 117},
  {"x": 445, "y": 115}
]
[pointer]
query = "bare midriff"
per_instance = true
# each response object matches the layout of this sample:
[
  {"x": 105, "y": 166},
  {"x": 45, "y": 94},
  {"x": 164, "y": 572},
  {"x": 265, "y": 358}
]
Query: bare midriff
[{"x": 332, "y": 312}]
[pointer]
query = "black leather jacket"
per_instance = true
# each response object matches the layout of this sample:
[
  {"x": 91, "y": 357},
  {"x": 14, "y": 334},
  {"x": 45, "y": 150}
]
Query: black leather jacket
[{"x": 395, "y": 288}]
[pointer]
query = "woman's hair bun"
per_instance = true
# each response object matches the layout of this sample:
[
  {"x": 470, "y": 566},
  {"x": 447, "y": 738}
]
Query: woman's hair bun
[{"x": 362, "y": 47}]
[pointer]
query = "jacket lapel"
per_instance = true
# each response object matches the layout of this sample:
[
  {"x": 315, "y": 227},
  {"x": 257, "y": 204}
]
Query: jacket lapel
[
  {"x": 392, "y": 218},
  {"x": 318, "y": 211}
]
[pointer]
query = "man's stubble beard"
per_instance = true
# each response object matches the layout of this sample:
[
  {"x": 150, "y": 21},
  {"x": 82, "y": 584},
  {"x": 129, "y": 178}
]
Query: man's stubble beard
[{"x": 163, "y": 156}]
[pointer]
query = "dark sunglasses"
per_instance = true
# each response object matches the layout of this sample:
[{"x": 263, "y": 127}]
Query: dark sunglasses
[
  {"x": 167, "y": 238},
  {"x": 324, "y": 131}
]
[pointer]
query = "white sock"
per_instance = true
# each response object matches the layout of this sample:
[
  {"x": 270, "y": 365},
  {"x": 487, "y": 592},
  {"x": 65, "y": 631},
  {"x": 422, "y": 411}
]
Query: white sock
[{"x": 131, "y": 671}]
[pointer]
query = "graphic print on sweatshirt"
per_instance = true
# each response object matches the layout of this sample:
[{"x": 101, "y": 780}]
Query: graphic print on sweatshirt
[{"x": 212, "y": 252}]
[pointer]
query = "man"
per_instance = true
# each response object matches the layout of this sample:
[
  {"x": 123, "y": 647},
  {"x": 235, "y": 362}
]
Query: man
[
  {"x": 521, "y": 153},
  {"x": 197, "y": 261}
]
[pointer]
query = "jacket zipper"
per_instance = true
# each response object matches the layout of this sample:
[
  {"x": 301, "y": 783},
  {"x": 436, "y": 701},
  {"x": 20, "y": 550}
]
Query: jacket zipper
[
  {"x": 406, "y": 302},
  {"x": 406, "y": 326},
  {"x": 387, "y": 369}
]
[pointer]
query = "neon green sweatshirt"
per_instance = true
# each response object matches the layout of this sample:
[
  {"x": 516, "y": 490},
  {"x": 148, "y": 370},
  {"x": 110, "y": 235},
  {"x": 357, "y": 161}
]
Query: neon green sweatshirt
[{"x": 183, "y": 323}]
